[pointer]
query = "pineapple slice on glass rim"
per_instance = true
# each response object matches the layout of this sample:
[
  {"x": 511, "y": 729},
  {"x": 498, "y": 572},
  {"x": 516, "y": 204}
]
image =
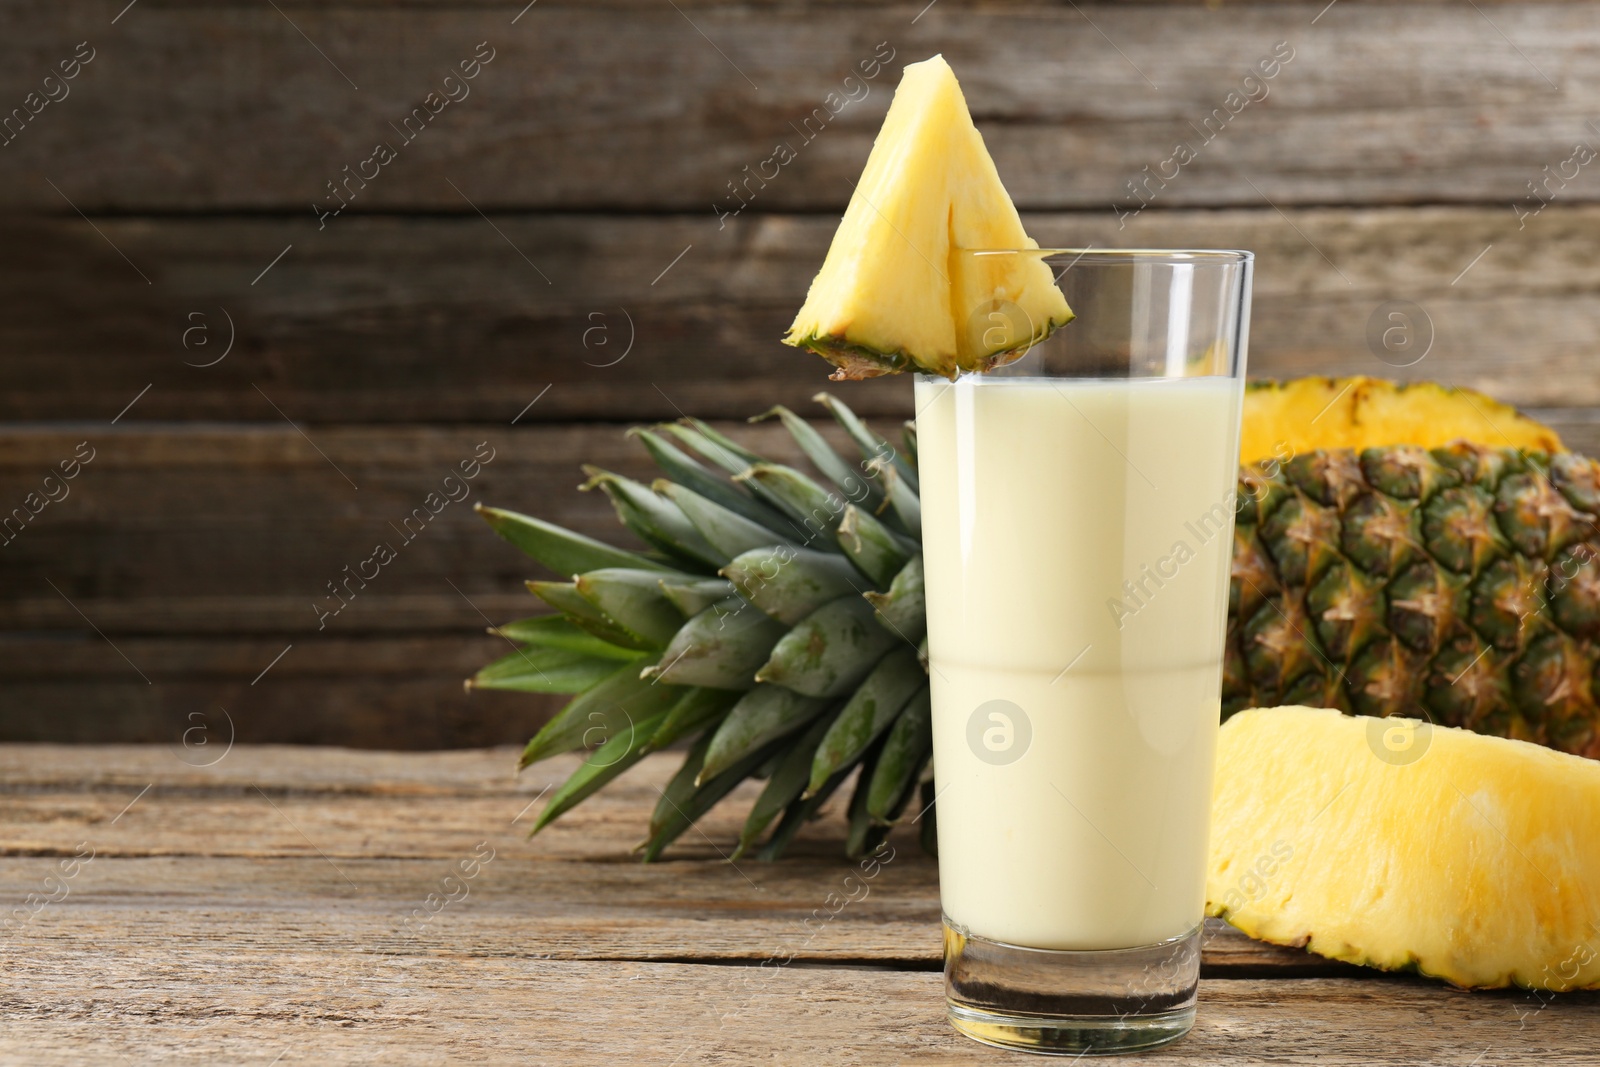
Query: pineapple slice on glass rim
[{"x": 895, "y": 293}]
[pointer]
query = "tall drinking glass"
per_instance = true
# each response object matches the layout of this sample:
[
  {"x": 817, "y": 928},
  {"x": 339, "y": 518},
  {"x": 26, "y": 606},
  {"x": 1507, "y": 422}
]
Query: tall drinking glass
[{"x": 1077, "y": 528}]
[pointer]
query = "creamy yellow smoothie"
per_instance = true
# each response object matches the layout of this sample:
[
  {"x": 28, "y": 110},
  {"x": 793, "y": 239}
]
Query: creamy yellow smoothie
[{"x": 1077, "y": 536}]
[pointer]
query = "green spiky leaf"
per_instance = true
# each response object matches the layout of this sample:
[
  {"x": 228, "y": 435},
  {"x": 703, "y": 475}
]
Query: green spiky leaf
[
  {"x": 697, "y": 709},
  {"x": 634, "y": 599},
  {"x": 605, "y": 763},
  {"x": 877, "y": 551},
  {"x": 784, "y": 786},
  {"x": 829, "y": 651},
  {"x": 654, "y": 520},
  {"x": 905, "y": 754},
  {"x": 718, "y": 447},
  {"x": 790, "y": 583},
  {"x": 691, "y": 596},
  {"x": 620, "y": 701},
  {"x": 871, "y": 708},
  {"x": 871, "y": 445},
  {"x": 557, "y": 631},
  {"x": 849, "y": 480},
  {"x": 815, "y": 510},
  {"x": 864, "y": 833},
  {"x": 797, "y": 814},
  {"x": 903, "y": 610},
  {"x": 691, "y": 475},
  {"x": 684, "y": 802},
  {"x": 762, "y": 715},
  {"x": 565, "y": 598},
  {"x": 727, "y": 532},
  {"x": 902, "y": 494},
  {"x": 544, "y": 670},
  {"x": 720, "y": 647},
  {"x": 563, "y": 551}
]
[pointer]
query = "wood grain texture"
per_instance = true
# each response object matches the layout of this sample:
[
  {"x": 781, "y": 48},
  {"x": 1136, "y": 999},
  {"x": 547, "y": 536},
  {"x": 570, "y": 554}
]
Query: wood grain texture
[
  {"x": 185, "y": 561},
  {"x": 186, "y": 833},
  {"x": 194, "y": 1005},
  {"x": 441, "y": 321},
  {"x": 386, "y": 690},
  {"x": 214, "y": 529},
  {"x": 207, "y": 107},
  {"x": 272, "y": 925}
]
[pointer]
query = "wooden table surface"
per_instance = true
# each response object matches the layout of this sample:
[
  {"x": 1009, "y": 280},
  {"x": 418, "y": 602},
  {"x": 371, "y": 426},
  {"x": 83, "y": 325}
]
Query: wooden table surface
[{"x": 274, "y": 907}]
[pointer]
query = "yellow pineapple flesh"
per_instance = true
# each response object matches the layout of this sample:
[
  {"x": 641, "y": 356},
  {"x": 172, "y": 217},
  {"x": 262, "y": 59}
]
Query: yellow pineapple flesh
[
  {"x": 1393, "y": 844},
  {"x": 894, "y": 292},
  {"x": 1305, "y": 414}
]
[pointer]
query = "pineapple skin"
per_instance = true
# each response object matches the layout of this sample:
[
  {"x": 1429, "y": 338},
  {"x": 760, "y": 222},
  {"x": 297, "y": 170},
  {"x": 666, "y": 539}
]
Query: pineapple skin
[
  {"x": 1459, "y": 584},
  {"x": 1472, "y": 862}
]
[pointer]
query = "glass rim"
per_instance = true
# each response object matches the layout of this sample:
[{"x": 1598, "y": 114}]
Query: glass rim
[{"x": 1144, "y": 255}]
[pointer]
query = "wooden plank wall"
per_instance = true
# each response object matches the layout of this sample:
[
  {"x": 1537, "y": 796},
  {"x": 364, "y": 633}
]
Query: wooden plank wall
[{"x": 267, "y": 387}]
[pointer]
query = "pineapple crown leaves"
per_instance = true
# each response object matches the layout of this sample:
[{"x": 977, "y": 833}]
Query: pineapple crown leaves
[{"x": 773, "y": 621}]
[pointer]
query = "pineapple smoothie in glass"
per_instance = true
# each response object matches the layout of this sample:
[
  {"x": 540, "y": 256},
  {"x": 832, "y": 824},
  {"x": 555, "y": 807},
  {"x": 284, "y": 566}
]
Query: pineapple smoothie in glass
[{"x": 1077, "y": 531}]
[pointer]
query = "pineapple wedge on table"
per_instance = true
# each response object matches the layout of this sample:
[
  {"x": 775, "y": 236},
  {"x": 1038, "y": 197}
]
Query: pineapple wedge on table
[{"x": 1393, "y": 844}]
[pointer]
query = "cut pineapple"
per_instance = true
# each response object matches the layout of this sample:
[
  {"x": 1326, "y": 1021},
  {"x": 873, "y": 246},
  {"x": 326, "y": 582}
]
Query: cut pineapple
[
  {"x": 893, "y": 293},
  {"x": 1304, "y": 414},
  {"x": 1389, "y": 843}
]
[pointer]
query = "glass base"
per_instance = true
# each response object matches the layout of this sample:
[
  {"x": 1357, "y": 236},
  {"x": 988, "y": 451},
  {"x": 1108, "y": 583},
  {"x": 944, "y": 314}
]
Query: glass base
[{"x": 1070, "y": 1002}]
